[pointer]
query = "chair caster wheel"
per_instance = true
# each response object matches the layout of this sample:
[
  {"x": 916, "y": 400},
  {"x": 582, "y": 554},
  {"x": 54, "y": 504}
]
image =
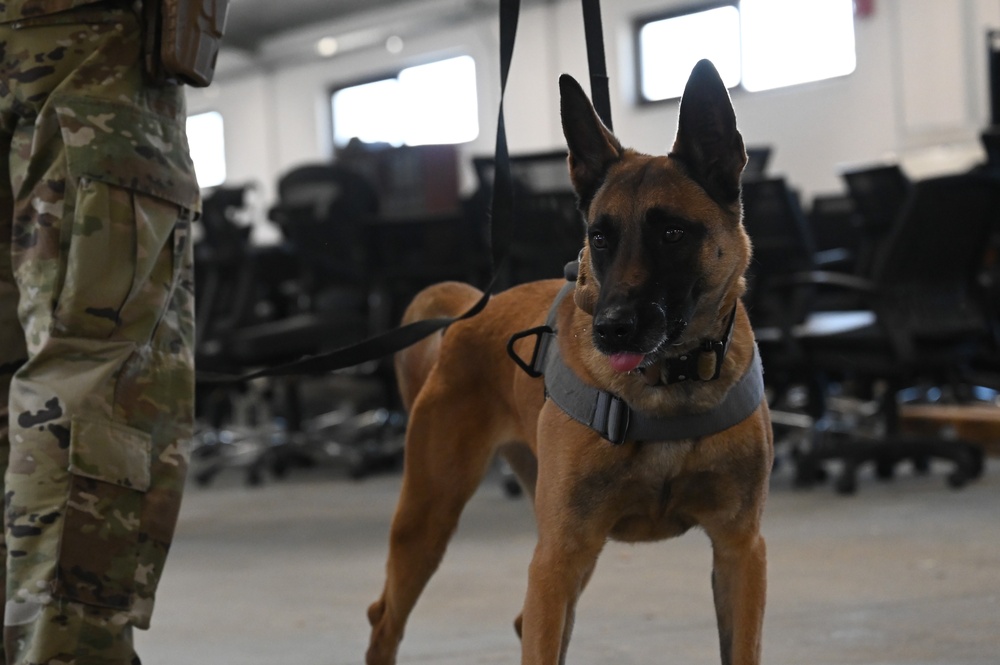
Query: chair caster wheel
[
  {"x": 957, "y": 479},
  {"x": 978, "y": 462},
  {"x": 847, "y": 483},
  {"x": 885, "y": 469},
  {"x": 254, "y": 478}
]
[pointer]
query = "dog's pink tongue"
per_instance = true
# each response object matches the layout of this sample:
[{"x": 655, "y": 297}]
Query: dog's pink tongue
[{"x": 625, "y": 362}]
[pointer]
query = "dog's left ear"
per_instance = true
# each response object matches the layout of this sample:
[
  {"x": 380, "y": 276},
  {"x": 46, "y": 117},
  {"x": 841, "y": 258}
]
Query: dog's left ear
[
  {"x": 592, "y": 147},
  {"x": 708, "y": 142}
]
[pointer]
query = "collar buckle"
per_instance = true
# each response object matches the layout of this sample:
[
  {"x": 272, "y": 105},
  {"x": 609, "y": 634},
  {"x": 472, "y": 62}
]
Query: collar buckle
[{"x": 611, "y": 418}]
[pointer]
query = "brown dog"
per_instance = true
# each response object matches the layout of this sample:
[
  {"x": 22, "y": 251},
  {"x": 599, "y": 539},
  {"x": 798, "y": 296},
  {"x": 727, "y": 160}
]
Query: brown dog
[{"x": 661, "y": 273}]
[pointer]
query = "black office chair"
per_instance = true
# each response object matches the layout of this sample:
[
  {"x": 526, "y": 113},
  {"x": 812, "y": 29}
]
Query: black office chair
[
  {"x": 322, "y": 211},
  {"x": 323, "y": 303},
  {"x": 239, "y": 287},
  {"x": 926, "y": 321},
  {"x": 783, "y": 246}
]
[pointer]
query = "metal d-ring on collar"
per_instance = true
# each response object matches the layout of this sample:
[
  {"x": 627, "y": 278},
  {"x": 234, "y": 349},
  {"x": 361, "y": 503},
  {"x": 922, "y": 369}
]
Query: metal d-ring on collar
[{"x": 609, "y": 415}]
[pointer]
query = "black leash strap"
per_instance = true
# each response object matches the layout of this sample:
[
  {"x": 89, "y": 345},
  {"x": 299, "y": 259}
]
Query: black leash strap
[
  {"x": 594, "y": 34},
  {"x": 502, "y": 204}
]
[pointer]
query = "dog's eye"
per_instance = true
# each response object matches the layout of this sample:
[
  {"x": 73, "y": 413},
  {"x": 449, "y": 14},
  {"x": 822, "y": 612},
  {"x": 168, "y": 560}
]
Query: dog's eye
[
  {"x": 598, "y": 240},
  {"x": 673, "y": 234}
]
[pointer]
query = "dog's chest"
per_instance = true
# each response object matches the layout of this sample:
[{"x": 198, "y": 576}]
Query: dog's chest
[{"x": 648, "y": 492}]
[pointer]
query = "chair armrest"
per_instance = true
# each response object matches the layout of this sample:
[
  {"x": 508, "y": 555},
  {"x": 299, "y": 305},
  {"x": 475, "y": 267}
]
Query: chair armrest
[
  {"x": 828, "y": 278},
  {"x": 829, "y": 258}
]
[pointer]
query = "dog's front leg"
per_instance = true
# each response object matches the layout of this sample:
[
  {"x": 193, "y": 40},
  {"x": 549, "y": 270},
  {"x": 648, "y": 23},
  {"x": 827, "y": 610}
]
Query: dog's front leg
[
  {"x": 556, "y": 578},
  {"x": 739, "y": 584}
]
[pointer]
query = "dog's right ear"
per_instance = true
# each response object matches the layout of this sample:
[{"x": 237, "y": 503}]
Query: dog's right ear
[{"x": 592, "y": 147}]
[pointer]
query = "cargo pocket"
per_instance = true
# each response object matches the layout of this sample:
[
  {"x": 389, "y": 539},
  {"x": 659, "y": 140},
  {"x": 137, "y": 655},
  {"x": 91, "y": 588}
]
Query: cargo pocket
[
  {"x": 98, "y": 553},
  {"x": 133, "y": 183}
]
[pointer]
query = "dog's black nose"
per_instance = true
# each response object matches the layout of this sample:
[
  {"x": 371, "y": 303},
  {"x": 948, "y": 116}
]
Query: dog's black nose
[{"x": 615, "y": 324}]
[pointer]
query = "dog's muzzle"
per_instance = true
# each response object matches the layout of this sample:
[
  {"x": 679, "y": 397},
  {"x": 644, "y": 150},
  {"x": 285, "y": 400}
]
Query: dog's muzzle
[{"x": 622, "y": 329}]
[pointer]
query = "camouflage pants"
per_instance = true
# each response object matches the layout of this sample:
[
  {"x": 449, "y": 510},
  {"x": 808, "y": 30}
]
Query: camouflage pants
[{"x": 96, "y": 333}]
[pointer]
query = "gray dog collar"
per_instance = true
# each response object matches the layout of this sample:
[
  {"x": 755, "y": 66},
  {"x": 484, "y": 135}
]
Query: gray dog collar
[{"x": 609, "y": 415}]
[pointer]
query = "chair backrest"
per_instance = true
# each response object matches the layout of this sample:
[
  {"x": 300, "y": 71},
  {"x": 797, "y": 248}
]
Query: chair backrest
[
  {"x": 782, "y": 244},
  {"x": 222, "y": 235},
  {"x": 221, "y": 262},
  {"x": 323, "y": 210},
  {"x": 773, "y": 217},
  {"x": 879, "y": 193},
  {"x": 758, "y": 157},
  {"x": 834, "y": 223},
  {"x": 550, "y": 230},
  {"x": 930, "y": 261},
  {"x": 325, "y": 193}
]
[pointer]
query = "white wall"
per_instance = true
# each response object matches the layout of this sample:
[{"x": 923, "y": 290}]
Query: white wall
[{"x": 918, "y": 94}]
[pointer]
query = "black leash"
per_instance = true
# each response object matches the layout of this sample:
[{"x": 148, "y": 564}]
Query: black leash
[
  {"x": 594, "y": 35},
  {"x": 501, "y": 216}
]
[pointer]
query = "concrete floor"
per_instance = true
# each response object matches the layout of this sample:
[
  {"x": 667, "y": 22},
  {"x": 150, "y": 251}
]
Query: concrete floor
[{"x": 903, "y": 573}]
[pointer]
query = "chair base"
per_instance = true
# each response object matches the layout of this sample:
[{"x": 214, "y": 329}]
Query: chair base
[{"x": 886, "y": 454}]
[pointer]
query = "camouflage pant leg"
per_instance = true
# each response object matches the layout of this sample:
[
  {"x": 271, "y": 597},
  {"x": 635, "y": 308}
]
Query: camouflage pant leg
[
  {"x": 12, "y": 351},
  {"x": 98, "y": 195}
]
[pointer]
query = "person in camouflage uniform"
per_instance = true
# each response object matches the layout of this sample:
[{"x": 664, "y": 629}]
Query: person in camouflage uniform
[{"x": 97, "y": 194}]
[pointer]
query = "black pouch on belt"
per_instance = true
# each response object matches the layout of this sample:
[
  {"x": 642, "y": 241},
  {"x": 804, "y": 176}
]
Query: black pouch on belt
[{"x": 182, "y": 39}]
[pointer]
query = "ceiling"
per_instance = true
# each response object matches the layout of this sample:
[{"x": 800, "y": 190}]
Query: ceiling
[{"x": 250, "y": 22}]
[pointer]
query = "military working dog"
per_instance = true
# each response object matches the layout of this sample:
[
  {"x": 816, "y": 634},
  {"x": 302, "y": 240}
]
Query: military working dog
[{"x": 653, "y": 324}]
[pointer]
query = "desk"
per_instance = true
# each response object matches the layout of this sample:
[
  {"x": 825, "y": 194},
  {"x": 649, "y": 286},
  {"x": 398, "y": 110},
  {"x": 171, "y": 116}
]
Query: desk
[{"x": 975, "y": 423}]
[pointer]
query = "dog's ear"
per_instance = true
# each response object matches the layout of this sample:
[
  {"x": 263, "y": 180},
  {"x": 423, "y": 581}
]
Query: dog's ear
[
  {"x": 592, "y": 147},
  {"x": 708, "y": 142},
  {"x": 587, "y": 289}
]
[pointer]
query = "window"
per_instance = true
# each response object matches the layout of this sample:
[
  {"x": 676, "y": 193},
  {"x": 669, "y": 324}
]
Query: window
[
  {"x": 670, "y": 47},
  {"x": 786, "y": 42},
  {"x": 759, "y": 44},
  {"x": 208, "y": 148},
  {"x": 427, "y": 104}
]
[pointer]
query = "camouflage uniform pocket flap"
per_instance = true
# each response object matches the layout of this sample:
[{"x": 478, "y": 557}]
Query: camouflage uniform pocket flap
[
  {"x": 111, "y": 453},
  {"x": 121, "y": 145}
]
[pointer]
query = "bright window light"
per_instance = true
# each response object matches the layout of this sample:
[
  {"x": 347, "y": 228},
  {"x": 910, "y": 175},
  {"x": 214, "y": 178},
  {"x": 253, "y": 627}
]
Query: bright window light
[
  {"x": 368, "y": 112},
  {"x": 786, "y": 42},
  {"x": 208, "y": 148},
  {"x": 669, "y": 49},
  {"x": 760, "y": 44},
  {"x": 440, "y": 102},
  {"x": 434, "y": 103}
]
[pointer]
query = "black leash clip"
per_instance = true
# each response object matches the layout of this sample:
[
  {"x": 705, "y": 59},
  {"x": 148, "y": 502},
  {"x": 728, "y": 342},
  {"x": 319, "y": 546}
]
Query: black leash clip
[{"x": 541, "y": 334}]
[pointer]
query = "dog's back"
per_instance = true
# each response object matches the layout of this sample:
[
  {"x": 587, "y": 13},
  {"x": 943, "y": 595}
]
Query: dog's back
[{"x": 414, "y": 364}]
